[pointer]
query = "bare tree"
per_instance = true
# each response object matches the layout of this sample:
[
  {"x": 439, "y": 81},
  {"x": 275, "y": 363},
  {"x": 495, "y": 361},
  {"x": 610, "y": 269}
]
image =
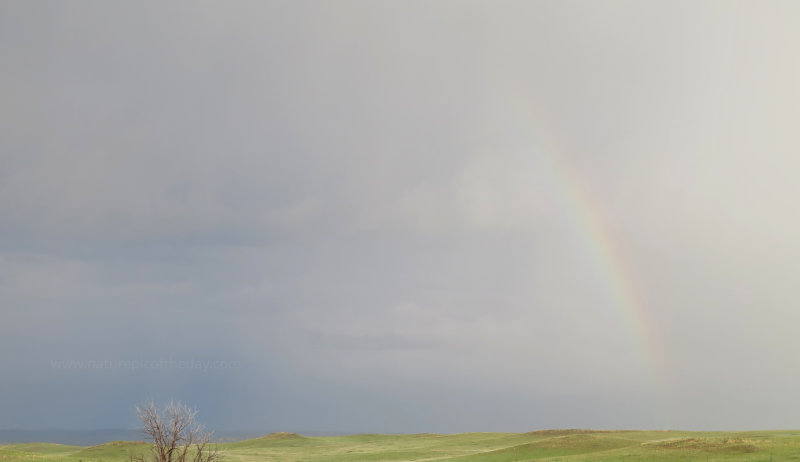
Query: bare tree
[{"x": 175, "y": 434}]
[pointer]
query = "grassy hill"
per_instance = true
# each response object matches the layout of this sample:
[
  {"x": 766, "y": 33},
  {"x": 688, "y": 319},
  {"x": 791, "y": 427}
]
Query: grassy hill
[{"x": 547, "y": 445}]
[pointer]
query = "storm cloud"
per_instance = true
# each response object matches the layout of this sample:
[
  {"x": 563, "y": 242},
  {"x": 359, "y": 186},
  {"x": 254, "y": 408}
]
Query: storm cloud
[{"x": 352, "y": 213}]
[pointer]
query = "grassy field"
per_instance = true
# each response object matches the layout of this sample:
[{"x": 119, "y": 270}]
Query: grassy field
[{"x": 548, "y": 445}]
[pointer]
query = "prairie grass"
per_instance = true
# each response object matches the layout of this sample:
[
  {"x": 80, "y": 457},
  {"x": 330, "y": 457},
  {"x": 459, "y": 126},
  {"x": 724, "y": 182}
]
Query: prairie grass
[{"x": 544, "y": 445}]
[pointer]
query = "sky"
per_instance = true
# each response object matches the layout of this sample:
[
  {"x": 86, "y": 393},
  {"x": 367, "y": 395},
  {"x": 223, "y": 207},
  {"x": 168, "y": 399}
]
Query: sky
[{"x": 400, "y": 216}]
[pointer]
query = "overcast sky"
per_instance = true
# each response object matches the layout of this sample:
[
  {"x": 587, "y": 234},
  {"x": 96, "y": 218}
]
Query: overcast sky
[{"x": 357, "y": 215}]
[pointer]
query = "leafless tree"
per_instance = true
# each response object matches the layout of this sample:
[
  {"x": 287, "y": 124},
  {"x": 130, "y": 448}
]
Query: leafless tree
[{"x": 175, "y": 434}]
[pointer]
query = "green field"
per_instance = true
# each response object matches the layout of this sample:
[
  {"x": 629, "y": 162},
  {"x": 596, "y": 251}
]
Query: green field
[{"x": 548, "y": 445}]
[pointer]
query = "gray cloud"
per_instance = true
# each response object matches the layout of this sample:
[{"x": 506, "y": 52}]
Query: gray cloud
[{"x": 360, "y": 203}]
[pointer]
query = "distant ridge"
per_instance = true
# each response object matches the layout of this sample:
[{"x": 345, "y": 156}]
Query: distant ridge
[
  {"x": 71, "y": 437},
  {"x": 283, "y": 436},
  {"x": 101, "y": 436},
  {"x": 568, "y": 431}
]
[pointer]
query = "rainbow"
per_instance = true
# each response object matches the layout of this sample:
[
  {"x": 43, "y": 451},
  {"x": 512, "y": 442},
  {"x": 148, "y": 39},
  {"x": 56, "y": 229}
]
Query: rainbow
[
  {"x": 608, "y": 250},
  {"x": 619, "y": 270}
]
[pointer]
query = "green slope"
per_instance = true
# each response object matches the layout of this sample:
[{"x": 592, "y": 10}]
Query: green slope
[
  {"x": 113, "y": 450},
  {"x": 41, "y": 448},
  {"x": 547, "y": 445}
]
